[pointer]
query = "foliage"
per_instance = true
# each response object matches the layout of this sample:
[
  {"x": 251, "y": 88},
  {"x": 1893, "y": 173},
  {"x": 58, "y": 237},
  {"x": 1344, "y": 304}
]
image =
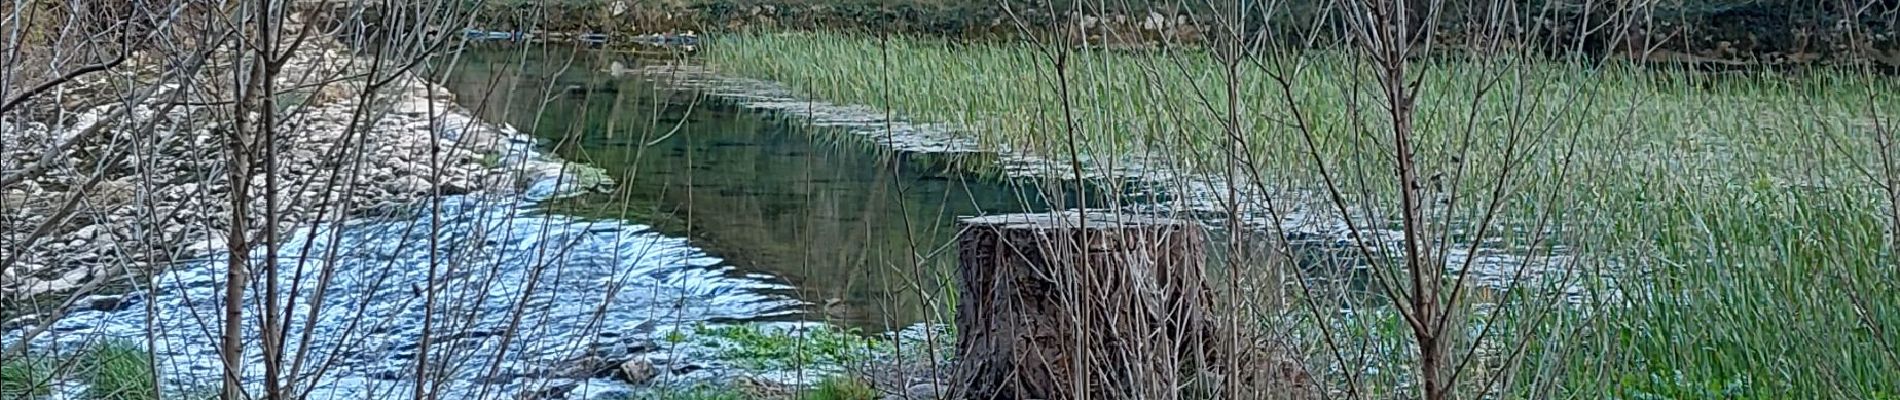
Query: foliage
[
  {"x": 24, "y": 378},
  {"x": 119, "y": 370},
  {"x": 1726, "y": 231}
]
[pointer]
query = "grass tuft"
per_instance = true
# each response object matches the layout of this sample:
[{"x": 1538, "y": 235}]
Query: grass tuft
[
  {"x": 765, "y": 348},
  {"x": 25, "y": 378},
  {"x": 119, "y": 370}
]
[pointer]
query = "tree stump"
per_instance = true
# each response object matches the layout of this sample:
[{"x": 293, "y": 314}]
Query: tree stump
[{"x": 1057, "y": 305}]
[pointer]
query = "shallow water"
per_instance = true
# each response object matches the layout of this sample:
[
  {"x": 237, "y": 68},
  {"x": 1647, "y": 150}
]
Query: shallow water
[
  {"x": 721, "y": 213},
  {"x": 859, "y": 232},
  {"x": 585, "y": 283}
]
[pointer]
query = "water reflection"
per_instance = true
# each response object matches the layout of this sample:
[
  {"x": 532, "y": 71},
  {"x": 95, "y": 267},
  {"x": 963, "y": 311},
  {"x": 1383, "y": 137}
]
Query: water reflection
[{"x": 862, "y": 234}]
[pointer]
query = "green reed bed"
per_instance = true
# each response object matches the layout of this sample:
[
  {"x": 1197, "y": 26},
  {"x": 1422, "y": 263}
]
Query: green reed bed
[
  {"x": 1128, "y": 103},
  {"x": 1738, "y": 216}
]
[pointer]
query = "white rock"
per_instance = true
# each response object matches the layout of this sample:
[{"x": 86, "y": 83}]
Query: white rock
[{"x": 89, "y": 232}]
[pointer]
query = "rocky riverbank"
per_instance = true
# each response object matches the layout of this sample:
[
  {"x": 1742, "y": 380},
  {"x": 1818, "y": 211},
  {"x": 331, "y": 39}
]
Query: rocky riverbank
[{"x": 109, "y": 189}]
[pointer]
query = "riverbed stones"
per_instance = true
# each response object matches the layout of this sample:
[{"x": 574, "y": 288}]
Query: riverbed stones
[{"x": 164, "y": 194}]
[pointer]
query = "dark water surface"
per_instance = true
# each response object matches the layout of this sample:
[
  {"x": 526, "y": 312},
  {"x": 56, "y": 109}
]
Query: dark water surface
[{"x": 858, "y": 231}]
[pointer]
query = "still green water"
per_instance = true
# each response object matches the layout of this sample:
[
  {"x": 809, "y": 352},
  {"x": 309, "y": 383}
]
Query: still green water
[{"x": 865, "y": 235}]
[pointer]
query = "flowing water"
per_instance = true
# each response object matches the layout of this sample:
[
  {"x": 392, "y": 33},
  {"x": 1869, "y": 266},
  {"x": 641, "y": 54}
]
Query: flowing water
[
  {"x": 718, "y": 215},
  {"x": 859, "y": 233}
]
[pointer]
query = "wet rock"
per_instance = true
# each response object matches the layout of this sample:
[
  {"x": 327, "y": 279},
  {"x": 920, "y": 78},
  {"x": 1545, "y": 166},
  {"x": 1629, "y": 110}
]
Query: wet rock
[
  {"x": 583, "y": 367},
  {"x": 110, "y": 303},
  {"x": 683, "y": 369},
  {"x": 637, "y": 371},
  {"x": 641, "y": 346},
  {"x": 612, "y": 346},
  {"x": 388, "y": 375}
]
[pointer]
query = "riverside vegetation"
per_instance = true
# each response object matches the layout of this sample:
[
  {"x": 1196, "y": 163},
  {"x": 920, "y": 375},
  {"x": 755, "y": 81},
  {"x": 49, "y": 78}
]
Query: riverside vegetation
[
  {"x": 1665, "y": 233},
  {"x": 1729, "y": 232}
]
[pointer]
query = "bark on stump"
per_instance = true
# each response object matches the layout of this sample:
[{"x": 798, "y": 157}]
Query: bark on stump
[{"x": 1053, "y": 305}]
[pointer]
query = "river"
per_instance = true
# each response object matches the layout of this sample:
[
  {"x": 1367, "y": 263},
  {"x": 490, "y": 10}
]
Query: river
[
  {"x": 719, "y": 215},
  {"x": 860, "y": 233}
]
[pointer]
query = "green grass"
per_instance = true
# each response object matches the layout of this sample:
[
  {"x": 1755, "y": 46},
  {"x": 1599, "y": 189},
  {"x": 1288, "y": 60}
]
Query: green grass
[
  {"x": 25, "y": 378},
  {"x": 119, "y": 370},
  {"x": 761, "y": 348},
  {"x": 110, "y": 370},
  {"x": 833, "y": 388},
  {"x": 1739, "y": 214}
]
